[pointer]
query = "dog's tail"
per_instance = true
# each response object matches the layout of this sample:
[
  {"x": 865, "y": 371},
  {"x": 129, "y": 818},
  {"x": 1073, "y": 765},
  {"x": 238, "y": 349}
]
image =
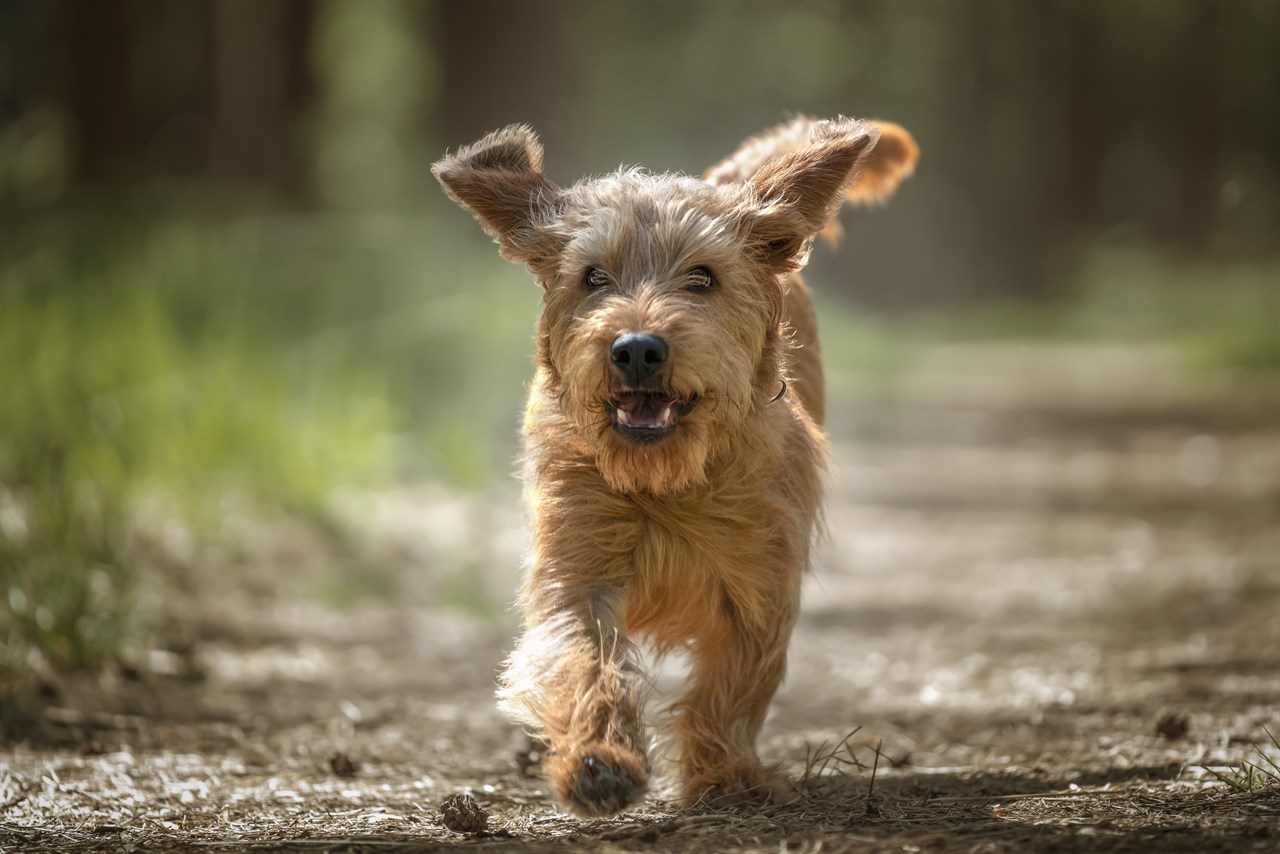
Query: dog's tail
[{"x": 876, "y": 177}]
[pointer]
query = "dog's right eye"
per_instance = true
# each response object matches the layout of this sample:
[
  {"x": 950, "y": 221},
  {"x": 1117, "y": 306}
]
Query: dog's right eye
[
  {"x": 700, "y": 279},
  {"x": 595, "y": 278}
]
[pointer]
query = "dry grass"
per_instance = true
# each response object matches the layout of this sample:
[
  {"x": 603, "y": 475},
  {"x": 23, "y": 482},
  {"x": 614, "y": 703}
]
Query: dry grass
[
  {"x": 831, "y": 812},
  {"x": 153, "y": 781}
]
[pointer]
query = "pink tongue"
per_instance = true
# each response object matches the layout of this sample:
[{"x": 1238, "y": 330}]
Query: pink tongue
[
  {"x": 644, "y": 410},
  {"x": 642, "y": 405}
]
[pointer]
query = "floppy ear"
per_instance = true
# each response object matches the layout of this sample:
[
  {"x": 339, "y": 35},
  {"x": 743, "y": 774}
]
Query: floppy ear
[
  {"x": 883, "y": 168},
  {"x": 499, "y": 179},
  {"x": 798, "y": 192}
]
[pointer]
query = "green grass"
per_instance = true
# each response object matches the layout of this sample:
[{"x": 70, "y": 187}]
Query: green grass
[
  {"x": 1221, "y": 316},
  {"x": 201, "y": 360},
  {"x": 1225, "y": 315},
  {"x": 1252, "y": 776}
]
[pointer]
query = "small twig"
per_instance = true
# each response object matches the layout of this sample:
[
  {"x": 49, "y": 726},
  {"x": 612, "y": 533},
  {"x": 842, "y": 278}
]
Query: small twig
[
  {"x": 871, "y": 789},
  {"x": 20, "y": 832},
  {"x": 811, "y": 758},
  {"x": 817, "y": 760},
  {"x": 826, "y": 760}
]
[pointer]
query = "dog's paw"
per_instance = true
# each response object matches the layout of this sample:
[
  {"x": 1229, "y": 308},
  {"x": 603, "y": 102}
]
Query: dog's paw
[
  {"x": 739, "y": 785},
  {"x": 600, "y": 787},
  {"x": 598, "y": 780}
]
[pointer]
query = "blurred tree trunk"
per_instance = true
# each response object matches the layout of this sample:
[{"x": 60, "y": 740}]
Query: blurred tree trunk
[
  {"x": 263, "y": 88},
  {"x": 1081, "y": 132},
  {"x": 503, "y": 61},
  {"x": 236, "y": 118},
  {"x": 1062, "y": 106},
  {"x": 300, "y": 95},
  {"x": 99, "y": 87},
  {"x": 1195, "y": 128}
]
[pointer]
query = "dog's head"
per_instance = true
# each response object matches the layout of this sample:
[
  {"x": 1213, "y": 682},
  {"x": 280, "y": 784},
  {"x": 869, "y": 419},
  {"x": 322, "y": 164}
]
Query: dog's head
[{"x": 662, "y": 332}]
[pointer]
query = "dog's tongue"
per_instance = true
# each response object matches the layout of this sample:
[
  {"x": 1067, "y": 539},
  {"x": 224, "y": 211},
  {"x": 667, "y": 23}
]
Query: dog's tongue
[{"x": 637, "y": 409}]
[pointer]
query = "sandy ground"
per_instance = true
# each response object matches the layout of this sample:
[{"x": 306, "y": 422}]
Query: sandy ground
[{"x": 1054, "y": 614}]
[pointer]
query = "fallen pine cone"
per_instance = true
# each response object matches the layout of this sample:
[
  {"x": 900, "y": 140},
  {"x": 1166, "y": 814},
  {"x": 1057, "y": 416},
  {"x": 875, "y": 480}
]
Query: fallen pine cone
[
  {"x": 342, "y": 765},
  {"x": 461, "y": 814},
  {"x": 1172, "y": 725}
]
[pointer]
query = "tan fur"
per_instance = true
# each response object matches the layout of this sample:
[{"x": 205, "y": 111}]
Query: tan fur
[
  {"x": 697, "y": 539},
  {"x": 878, "y": 175}
]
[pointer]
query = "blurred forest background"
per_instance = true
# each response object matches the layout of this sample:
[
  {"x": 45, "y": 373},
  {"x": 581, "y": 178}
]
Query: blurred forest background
[{"x": 230, "y": 289}]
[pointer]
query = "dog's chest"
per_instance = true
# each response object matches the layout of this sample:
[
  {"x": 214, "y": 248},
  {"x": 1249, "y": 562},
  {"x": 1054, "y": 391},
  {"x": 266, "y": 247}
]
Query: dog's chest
[{"x": 696, "y": 561}]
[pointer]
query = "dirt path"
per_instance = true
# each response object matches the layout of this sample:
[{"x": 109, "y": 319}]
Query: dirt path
[{"x": 1051, "y": 619}]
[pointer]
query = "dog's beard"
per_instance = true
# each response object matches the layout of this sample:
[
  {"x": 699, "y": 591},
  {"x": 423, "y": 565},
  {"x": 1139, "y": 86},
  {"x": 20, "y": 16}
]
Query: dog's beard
[
  {"x": 652, "y": 440},
  {"x": 671, "y": 463}
]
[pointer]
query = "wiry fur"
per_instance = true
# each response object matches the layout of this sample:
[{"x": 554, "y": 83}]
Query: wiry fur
[
  {"x": 879, "y": 173},
  {"x": 697, "y": 540}
]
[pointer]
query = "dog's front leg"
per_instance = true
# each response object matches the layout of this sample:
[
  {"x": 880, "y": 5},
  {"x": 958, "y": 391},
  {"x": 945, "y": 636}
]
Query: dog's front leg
[
  {"x": 573, "y": 679},
  {"x": 736, "y": 671}
]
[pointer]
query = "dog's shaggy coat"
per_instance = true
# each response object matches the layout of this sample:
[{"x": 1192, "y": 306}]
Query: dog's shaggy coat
[{"x": 673, "y": 449}]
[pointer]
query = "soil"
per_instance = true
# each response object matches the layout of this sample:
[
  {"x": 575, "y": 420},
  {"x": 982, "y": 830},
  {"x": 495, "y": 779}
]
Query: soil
[{"x": 1040, "y": 621}]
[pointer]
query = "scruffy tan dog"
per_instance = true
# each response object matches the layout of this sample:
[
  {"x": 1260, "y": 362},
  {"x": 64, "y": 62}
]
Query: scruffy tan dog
[{"x": 672, "y": 441}]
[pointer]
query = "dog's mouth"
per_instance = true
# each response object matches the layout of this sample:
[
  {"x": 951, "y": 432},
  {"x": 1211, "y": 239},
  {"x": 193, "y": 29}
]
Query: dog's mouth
[{"x": 648, "y": 416}]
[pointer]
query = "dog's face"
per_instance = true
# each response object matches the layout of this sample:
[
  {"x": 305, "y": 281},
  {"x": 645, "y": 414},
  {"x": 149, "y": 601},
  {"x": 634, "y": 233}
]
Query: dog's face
[
  {"x": 659, "y": 329},
  {"x": 661, "y": 335}
]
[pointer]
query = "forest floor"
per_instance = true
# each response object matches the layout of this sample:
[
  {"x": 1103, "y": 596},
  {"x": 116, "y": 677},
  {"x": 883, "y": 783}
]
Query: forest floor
[{"x": 1054, "y": 607}]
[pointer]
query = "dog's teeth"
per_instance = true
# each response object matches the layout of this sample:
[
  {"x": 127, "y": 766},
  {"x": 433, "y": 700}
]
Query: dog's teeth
[
  {"x": 664, "y": 417},
  {"x": 623, "y": 417}
]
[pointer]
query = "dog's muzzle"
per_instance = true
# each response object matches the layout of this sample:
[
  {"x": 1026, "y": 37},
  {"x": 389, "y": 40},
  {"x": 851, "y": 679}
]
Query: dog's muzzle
[{"x": 648, "y": 416}]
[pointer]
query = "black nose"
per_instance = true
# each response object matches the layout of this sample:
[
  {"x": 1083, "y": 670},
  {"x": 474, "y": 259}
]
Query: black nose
[{"x": 638, "y": 356}]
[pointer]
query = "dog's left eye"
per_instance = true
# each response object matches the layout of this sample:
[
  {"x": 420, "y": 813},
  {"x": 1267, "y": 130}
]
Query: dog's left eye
[
  {"x": 595, "y": 278},
  {"x": 700, "y": 279}
]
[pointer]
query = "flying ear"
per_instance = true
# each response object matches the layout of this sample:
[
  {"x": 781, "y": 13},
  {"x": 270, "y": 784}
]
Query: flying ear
[
  {"x": 883, "y": 168},
  {"x": 499, "y": 179},
  {"x": 798, "y": 192}
]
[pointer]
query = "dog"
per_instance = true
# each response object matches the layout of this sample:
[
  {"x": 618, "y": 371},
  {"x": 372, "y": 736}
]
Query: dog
[{"x": 673, "y": 449}]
